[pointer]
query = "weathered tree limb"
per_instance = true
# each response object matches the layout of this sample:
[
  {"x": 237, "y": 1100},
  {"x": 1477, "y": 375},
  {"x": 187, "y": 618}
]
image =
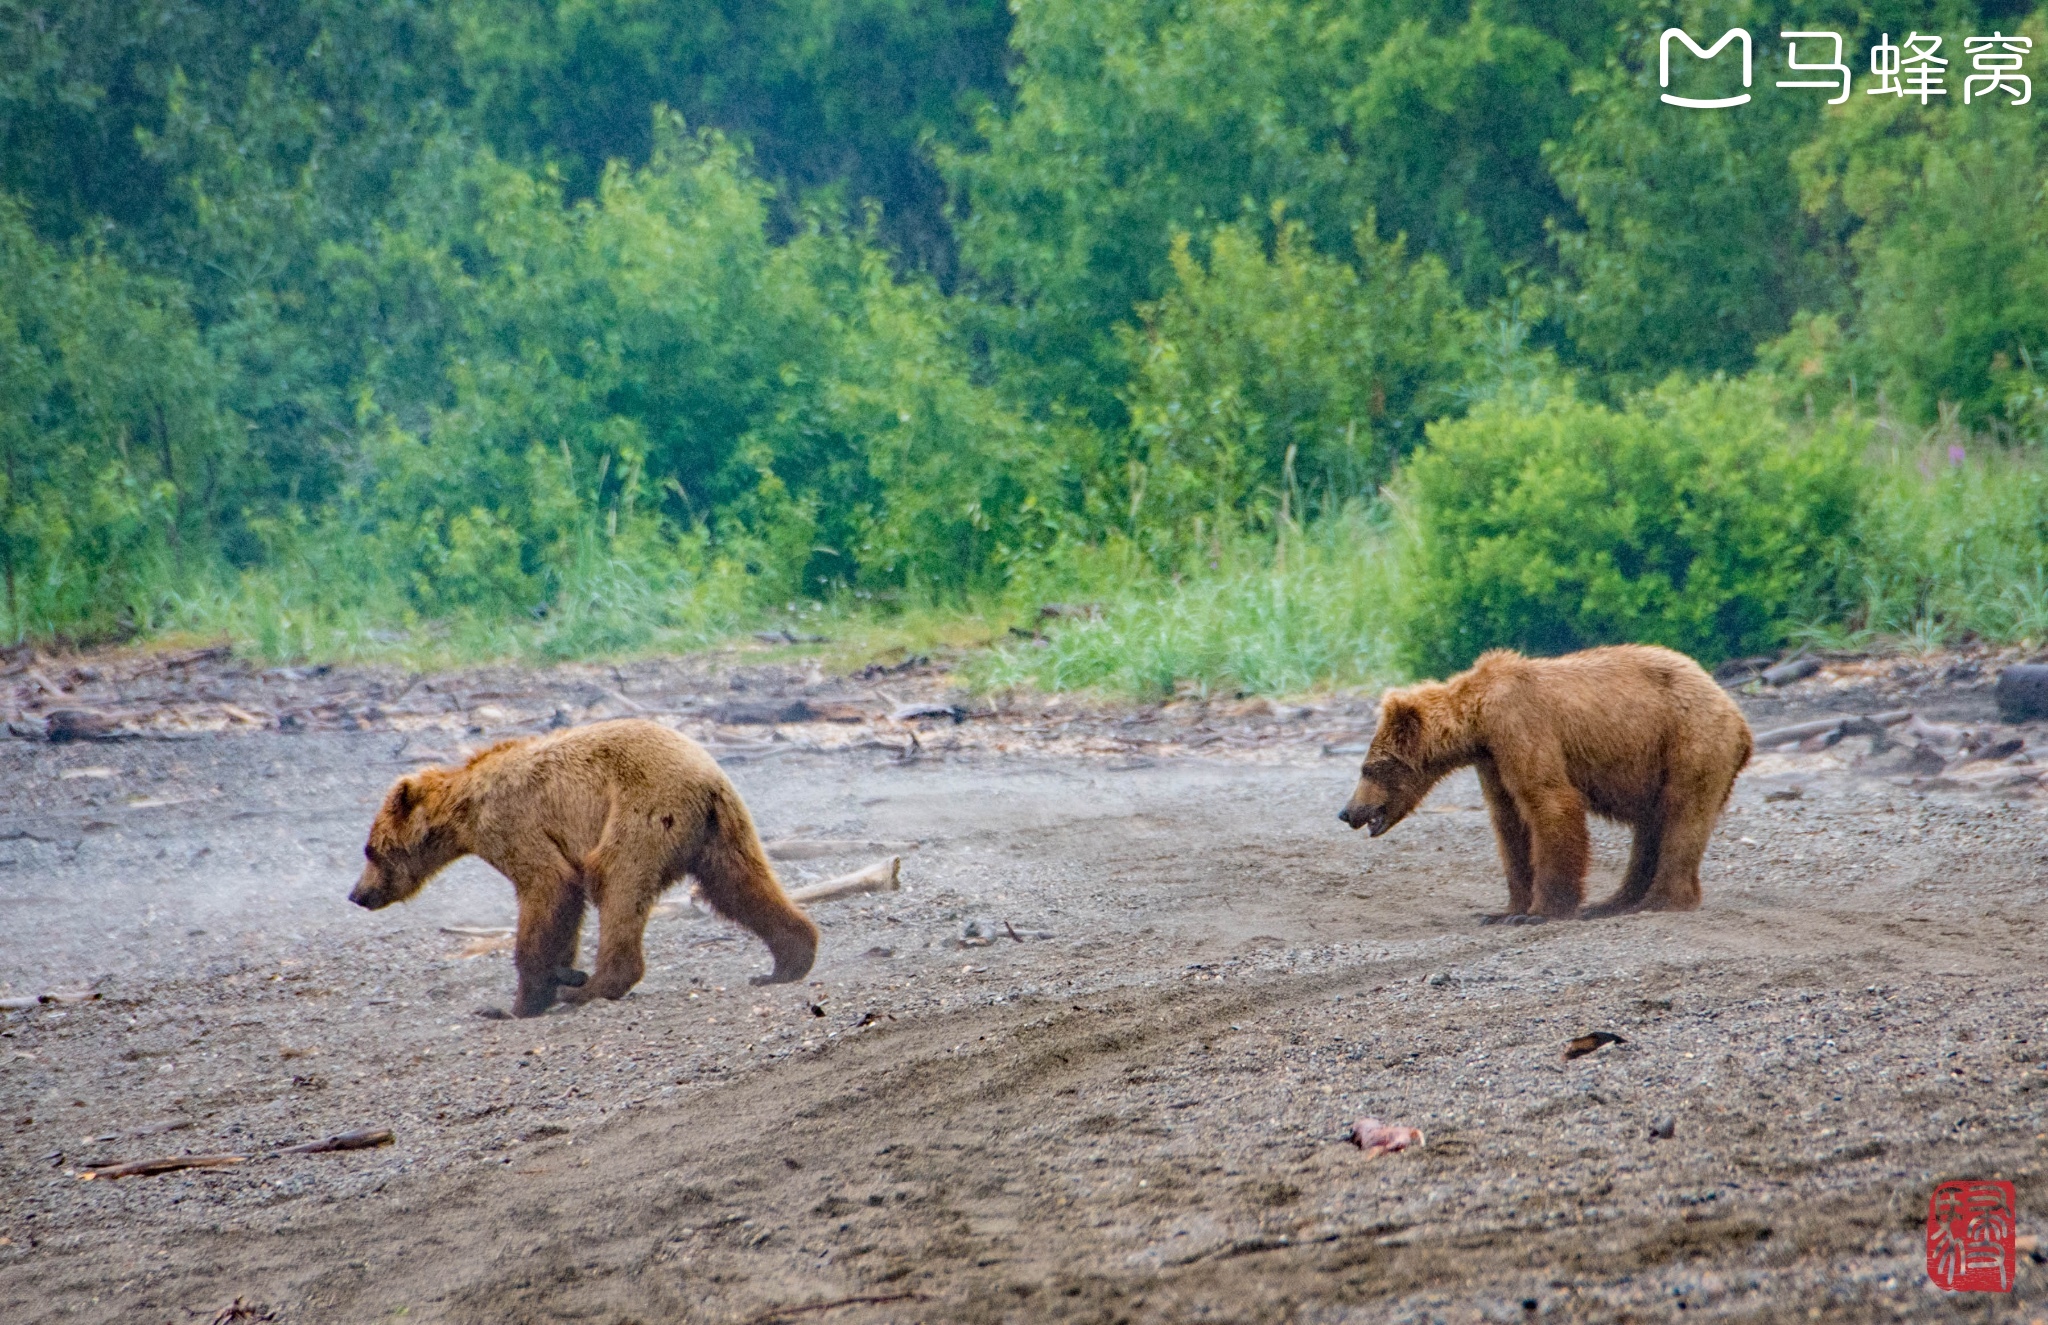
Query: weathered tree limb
[
  {"x": 147, "y": 1168},
  {"x": 884, "y": 876},
  {"x": 1849, "y": 725}
]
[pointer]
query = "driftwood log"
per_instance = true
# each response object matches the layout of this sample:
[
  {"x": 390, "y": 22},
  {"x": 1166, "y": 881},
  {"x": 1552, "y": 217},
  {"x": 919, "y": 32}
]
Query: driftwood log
[
  {"x": 884, "y": 876},
  {"x": 1869, "y": 724}
]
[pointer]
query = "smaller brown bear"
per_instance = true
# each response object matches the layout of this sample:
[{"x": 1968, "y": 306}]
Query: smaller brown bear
[
  {"x": 607, "y": 815},
  {"x": 1633, "y": 733}
]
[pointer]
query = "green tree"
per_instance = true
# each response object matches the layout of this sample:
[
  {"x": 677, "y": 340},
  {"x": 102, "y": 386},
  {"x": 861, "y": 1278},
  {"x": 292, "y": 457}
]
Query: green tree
[
  {"x": 1265, "y": 387},
  {"x": 1138, "y": 119},
  {"x": 831, "y": 95}
]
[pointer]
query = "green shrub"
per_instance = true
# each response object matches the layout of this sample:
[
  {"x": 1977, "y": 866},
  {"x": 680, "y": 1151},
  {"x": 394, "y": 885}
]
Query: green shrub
[{"x": 1692, "y": 518}]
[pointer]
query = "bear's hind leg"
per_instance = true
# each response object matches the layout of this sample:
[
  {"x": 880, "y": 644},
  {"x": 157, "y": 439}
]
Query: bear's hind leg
[
  {"x": 1689, "y": 819},
  {"x": 741, "y": 886},
  {"x": 1640, "y": 875}
]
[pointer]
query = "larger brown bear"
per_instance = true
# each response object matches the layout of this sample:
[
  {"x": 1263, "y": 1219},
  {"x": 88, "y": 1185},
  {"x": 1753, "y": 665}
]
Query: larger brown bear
[
  {"x": 1632, "y": 733},
  {"x": 609, "y": 814}
]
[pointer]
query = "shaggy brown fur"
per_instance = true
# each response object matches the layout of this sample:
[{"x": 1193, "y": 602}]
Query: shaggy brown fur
[
  {"x": 609, "y": 814},
  {"x": 1634, "y": 733}
]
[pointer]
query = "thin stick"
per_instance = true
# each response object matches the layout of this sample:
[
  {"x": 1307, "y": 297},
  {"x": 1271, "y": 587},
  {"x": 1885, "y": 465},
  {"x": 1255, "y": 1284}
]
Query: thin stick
[
  {"x": 367, "y": 1139},
  {"x": 147, "y": 1168}
]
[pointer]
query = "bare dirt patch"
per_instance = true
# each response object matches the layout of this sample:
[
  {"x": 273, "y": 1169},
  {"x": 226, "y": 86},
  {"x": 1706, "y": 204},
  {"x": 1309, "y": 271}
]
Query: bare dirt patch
[{"x": 1094, "y": 1062}]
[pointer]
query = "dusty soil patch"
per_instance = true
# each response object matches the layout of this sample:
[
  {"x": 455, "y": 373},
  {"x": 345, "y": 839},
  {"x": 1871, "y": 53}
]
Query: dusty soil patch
[{"x": 1130, "y": 1111}]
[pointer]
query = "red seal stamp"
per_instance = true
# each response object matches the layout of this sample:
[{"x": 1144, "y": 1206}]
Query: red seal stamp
[{"x": 1972, "y": 1232}]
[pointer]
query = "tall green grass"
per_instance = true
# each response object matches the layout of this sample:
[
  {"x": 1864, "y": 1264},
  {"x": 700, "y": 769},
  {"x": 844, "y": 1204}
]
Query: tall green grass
[
  {"x": 327, "y": 602},
  {"x": 1952, "y": 543},
  {"x": 1306, "y": 611}
]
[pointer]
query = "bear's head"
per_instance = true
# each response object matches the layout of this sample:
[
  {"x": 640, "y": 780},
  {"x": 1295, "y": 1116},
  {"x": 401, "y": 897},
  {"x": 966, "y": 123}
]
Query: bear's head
[
  {"x": 410, "y": 841},
  {"x": 1393, "y": 781}
]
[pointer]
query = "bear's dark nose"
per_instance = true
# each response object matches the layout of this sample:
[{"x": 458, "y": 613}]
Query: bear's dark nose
[{"x": 1344, "y": 815}]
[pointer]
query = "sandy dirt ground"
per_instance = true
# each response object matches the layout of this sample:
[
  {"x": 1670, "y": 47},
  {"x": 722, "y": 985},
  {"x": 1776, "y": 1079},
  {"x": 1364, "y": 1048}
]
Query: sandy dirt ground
[{"x": 1092, "y": 1063}]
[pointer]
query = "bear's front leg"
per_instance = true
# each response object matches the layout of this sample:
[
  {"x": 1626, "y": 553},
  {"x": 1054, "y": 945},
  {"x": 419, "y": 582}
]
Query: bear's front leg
[
  {"x": 1511, "y": 835},
  {"x": 550, "y": 917}
]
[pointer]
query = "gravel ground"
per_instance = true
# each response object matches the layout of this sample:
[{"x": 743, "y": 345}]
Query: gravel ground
[{"x": 1129, "y": 1111}]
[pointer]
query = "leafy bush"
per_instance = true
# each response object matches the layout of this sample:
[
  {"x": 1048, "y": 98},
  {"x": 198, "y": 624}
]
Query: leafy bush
[
  {"x": 649, "y": 362},
  {"x": 1692, "y": 518}
]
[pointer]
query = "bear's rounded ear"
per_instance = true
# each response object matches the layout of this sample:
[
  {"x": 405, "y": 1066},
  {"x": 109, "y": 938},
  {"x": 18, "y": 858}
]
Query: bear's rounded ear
[
  {"x": 403, "y": 797},
  {"x": 1400, "y": 730}
]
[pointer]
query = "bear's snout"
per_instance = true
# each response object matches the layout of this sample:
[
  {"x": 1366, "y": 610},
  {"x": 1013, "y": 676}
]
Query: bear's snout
[
  {"x": 370, "y": 892},
  {"x": 1373, "y": 819}
]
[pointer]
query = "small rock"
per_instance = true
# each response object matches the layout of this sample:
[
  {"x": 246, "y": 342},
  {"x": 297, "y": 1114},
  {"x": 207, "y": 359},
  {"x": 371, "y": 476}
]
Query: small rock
[
  {"x": 78, "y": 725},
  {"x": 1663, "y": 1129},
  {"x": 2022, "y": 692},
  {"x": 1437, "y": 979}
]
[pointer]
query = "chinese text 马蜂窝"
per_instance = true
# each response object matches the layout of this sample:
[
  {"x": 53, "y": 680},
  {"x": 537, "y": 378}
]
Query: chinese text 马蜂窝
[{"x": 1912, "y": 67}]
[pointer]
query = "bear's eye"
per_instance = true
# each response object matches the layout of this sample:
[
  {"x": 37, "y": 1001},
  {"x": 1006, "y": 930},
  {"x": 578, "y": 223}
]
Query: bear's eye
[{"x": 369, "y": 853}]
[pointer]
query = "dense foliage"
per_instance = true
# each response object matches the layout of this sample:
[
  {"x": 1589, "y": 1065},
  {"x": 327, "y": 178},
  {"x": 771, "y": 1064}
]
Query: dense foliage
[
  {"x": 1691, "y": 518},
  {"x": 621, "y": 315}
]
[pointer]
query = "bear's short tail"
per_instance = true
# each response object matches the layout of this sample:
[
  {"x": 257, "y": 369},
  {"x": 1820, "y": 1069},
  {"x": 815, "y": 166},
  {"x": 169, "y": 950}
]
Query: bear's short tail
[{"x": 740, "y": 885}]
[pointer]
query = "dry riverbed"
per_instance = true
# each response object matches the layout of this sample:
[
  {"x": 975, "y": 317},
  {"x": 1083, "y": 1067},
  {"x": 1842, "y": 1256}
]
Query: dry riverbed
[{"x": 1092, "y": 1063}]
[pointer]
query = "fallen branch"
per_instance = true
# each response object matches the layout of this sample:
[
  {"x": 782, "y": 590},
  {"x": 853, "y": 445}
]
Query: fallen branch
[
  {"x": 369, "y": 1138},
  {"x": 477, "y": 931},
  {"x": 1851, "y": 725},
  {"x": 884, "y": 876},
  {"x": 868, "y": 1300},
  {"x": 149, "y": 1168}
]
